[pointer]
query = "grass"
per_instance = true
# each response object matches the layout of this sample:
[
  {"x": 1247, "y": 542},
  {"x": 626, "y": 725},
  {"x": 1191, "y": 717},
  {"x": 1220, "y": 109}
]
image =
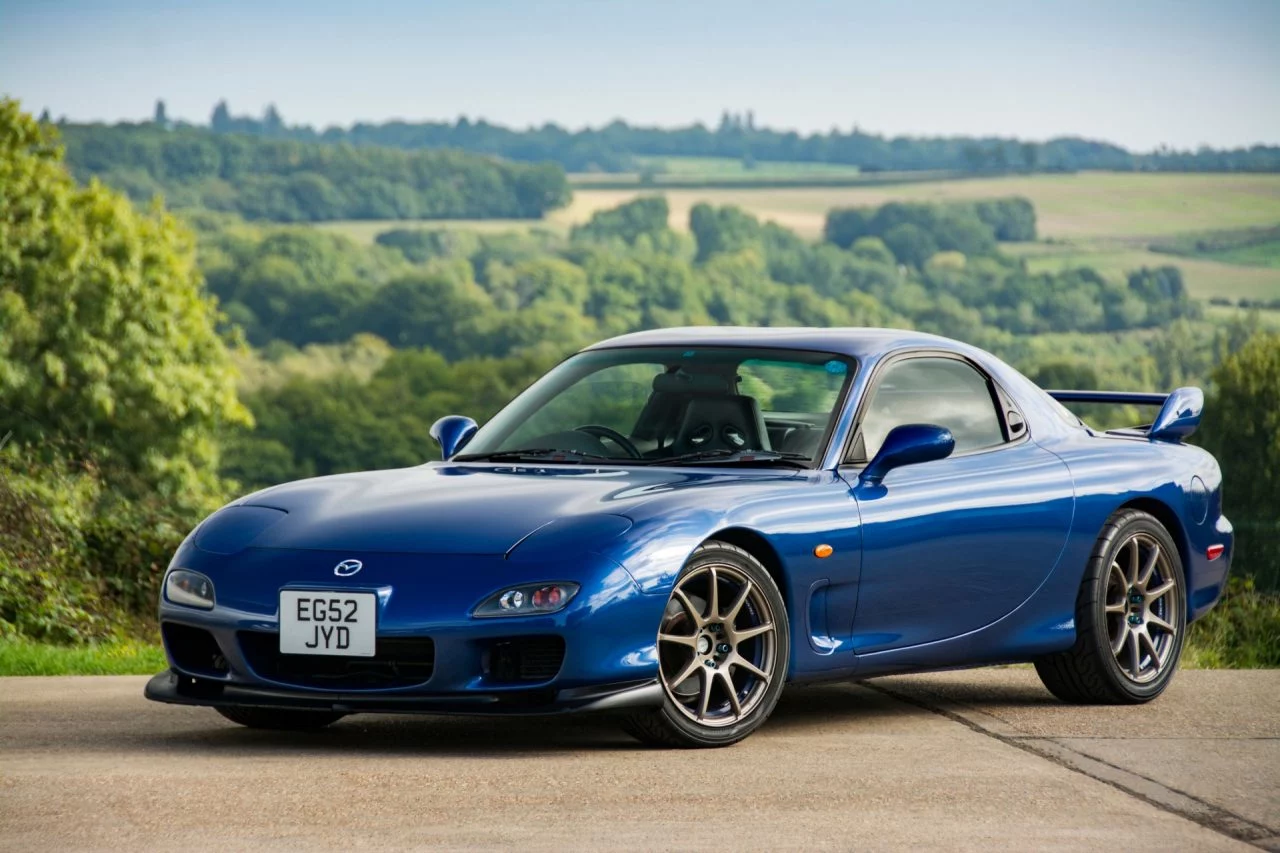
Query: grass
[
  {"x": 1205, "y": 277},
  {"x": 1248, "y": 246},
  {"x": 1258, "y": 255},
  {"x": 121, "y": 657}
]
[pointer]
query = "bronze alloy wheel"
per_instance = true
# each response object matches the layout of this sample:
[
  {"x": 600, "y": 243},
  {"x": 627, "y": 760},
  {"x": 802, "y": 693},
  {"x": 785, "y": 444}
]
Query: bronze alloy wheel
[
  {"x": 716, "y": 646},
  {"x": 1130, "y": 616},
  {"x": 723, "y": 644},
  {"x": 1142, "y": 591}
]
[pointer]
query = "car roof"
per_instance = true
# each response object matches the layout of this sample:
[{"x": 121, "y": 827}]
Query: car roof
[{"x": 859, "y": 342}]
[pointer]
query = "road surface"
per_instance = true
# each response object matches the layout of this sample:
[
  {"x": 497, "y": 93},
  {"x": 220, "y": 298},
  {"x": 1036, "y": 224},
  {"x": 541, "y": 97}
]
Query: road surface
[{"x": 976, "y": 760}]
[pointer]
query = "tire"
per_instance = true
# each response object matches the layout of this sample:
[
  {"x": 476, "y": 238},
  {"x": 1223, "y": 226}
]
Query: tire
[
  {"x": 280, "y": 719},
  {"x": 1129, "y": 628},
  {"x": 736, "y": 640}
]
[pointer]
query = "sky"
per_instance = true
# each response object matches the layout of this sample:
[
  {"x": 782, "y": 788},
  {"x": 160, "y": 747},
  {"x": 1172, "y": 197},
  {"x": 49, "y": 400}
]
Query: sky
[{"x": 1139, "y": 73}]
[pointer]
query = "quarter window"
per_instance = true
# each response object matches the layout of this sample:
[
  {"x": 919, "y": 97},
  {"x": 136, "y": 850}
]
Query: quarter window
[{"x": 941, "y": 391}]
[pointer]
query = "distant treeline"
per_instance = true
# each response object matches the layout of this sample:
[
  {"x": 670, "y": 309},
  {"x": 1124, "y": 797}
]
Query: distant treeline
[
  {"x": 287, "y": 180},
  {"x": 615, "y": 147}
]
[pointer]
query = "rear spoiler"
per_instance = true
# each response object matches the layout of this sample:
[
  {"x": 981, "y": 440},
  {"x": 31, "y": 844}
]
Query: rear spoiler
[{"x": 1180, "y": 410}]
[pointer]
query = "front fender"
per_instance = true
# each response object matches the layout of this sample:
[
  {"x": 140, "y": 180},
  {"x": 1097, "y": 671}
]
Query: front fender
[{"x": 655, "y": 549}]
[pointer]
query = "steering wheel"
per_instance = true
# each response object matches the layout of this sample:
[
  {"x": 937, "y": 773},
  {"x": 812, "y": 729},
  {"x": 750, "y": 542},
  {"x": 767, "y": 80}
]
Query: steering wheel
[{"x": 600, "y": 431}]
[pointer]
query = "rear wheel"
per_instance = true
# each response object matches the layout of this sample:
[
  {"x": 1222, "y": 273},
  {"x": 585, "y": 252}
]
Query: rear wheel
[
  {"x": 280, "y": 719},
  {"x": 1130, "y": 618},
  {"x": 723, "y": 647}
]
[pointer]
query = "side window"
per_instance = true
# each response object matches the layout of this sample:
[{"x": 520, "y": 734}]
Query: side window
[{"x": 941, "y": 391}]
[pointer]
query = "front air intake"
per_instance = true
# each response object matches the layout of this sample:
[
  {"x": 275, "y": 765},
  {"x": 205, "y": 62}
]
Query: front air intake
[
  {"x": 524, "y": 659},
  {"x": 193, "y": 650}
]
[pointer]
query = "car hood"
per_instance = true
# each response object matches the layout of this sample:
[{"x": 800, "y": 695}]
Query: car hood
[{"x": 444, "y": 508}]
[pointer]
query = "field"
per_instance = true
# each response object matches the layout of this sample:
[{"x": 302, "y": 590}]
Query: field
[
  {"x": 698, "y": 169},
  {"x": 364, "y": 231},
  {"x": 1258, "y": 247},
  {"x": 728, "y": 167},
  {"x": 1101, "y": 219}
]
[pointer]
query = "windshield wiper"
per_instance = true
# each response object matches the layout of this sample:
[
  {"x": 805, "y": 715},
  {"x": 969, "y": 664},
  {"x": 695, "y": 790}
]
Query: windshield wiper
[
  {"x": 536, "y": 454},
  {"x": 724, "y": 456}
]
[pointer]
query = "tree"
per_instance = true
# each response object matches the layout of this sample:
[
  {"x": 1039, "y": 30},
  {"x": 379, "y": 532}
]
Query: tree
[
  {"x": 272, "y": 123},
  {"x": 1030, "y": 155},
  {"x": 275, "y": 177},
  {"x": 1012, "y": 219},
  {"x": 722, "y": 229},
  {"x": 161, "y": 115},
  {"x": 107, "y": 341},
  {"x": 645, "y": 215},
  {"x": 872, "y": 249},
  {"x": 847, "y": 225},
  {"x": 1064, "y": 374},
  {"x": 220, "y": 121},
  {"x": 910, "y": 244},
  {"x": 1241, "y": 427}
]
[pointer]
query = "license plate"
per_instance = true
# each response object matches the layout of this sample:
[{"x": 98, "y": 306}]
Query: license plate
[{"x": 328, "y": 623}]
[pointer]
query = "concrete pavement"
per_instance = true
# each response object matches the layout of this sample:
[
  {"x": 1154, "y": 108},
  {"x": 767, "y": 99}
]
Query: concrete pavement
[{"x": 981, "y": 759}]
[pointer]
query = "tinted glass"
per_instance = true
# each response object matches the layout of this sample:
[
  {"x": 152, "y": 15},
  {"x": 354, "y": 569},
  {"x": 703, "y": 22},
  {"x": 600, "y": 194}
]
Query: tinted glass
[{"x": 941, "y": 391}]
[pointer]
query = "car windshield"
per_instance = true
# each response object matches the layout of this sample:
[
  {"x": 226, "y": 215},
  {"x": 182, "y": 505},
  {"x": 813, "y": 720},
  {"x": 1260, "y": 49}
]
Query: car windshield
[{"x": 656, "y": 406}]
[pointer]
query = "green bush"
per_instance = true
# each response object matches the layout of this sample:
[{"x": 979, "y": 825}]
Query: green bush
[
  {"x": 1242, "y": 632},
  {"x": 76, "y": 563},
  {"x": 47, "y": 589}
]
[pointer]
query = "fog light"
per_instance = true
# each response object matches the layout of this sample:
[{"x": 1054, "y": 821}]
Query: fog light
[
  {"x": 528, "y": 599},
  {"x": 190, "y": 589}
]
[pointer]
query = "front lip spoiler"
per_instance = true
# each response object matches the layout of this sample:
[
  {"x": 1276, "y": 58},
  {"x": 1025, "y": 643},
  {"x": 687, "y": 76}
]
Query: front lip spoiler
[{"x": 177, "y": 689}]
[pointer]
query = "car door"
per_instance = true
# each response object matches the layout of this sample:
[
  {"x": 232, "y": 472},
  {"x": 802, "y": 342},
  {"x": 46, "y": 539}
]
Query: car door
[{"x": 952, "y": 545}]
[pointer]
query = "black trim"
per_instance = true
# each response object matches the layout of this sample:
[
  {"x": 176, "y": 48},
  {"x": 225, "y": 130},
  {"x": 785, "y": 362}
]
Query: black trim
[{"x": 177, "y": 689}]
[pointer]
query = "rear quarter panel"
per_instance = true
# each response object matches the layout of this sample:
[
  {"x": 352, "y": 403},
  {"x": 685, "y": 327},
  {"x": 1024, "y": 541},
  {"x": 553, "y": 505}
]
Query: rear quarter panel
[{"x": 1180, "y": 484}]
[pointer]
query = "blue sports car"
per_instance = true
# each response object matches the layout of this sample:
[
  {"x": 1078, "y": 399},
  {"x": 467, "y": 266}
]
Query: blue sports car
[{"x": 673, "y": 525}]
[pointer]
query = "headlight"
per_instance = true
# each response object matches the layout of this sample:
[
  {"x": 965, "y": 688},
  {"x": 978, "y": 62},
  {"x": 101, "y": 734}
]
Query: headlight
[
  {"x": 528, "y": 599},
  {"x": 189, "y": 588}
]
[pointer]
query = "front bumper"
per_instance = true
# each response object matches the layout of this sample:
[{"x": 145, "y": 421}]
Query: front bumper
[
  {"x": 178, "y": 689},
  {"x": 432, "y": 655}
]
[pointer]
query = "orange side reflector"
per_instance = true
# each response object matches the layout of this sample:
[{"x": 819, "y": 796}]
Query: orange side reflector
[
  {"x": 823, "y": 551},
  {"x": 1213, "y": 552}
]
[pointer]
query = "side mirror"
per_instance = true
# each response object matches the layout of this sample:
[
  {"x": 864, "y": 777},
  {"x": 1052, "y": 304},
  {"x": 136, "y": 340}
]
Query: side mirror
[
  {"x": 908, "y": 444},
  {"x": 1179, "y": 416},
  {"x": 452, "y": 432}
]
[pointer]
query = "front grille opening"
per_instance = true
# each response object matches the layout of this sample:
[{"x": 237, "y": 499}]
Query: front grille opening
[
  {"x": 524, "y": 659},
  {"x": 399, "y": 662},
  {"x": 193, "y": 649}
]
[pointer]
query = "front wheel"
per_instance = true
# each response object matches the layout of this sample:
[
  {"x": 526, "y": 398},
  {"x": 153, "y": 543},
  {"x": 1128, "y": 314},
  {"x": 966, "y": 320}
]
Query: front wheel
[
  {"x": 723, "y": 647},
  {"x": 1130, "y": 618}
]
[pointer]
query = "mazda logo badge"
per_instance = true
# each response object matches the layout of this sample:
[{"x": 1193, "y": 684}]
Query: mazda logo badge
[{"x": 347, "y": 568}]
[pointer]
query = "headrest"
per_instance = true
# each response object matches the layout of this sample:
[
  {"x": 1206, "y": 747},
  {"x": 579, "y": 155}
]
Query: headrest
[{"x": 690, "y": 383}]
